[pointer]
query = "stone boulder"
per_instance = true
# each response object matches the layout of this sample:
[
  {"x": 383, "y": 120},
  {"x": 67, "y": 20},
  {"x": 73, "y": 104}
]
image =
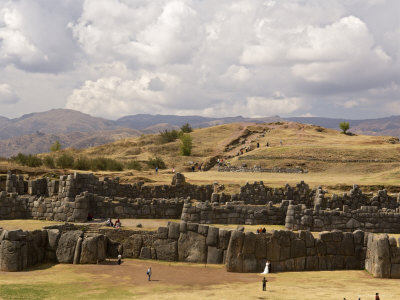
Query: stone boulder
[
  {"x": 166, "y": 249},
  {"x": 234, "y": 255},
  {"x": 214, "y": 255},
  {"x": 178, "y": 179},
  {"x": 66, "y": 246},
  {"x": 13, "y": 256},
  {"x": 94, "y": 249},
  {"x": 192, "y": 247},
  {"x": 132, "y": 246},
  {"x": 212, "y": 236}
]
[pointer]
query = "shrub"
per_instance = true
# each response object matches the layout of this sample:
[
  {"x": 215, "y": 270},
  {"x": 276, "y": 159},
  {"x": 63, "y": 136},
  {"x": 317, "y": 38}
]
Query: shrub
[
  {"x": 49, "y": 162},
  {"x": 65, "y": 161},
  {"x": 344, "y": 126},
  {"x": 186, "y": 145},
  {"x": 105, "y": 164},
  {"x": 82, "y": 163},
  {"x": 27, "y": 160},
  {"x": 186, "y": 128},
  {"x": 167, "y": 136},
  {"x": 134, "y": 165},
  {"x": 156, "y": 162},
  {"x": 55, "y": 147}
]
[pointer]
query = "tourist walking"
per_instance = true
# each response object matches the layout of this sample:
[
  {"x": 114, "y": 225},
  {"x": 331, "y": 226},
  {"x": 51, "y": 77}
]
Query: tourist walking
[
  {"x": 119, "y": 259},
  {"x": 377, "y": 296},
  {"x": 156, "y": 170},
  {"x": 264, "y": 283},
  {"x": 149, "y": 273}
]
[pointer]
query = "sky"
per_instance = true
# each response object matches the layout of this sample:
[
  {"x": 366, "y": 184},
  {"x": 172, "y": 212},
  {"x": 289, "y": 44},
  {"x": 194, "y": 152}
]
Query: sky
[{"x": 112, "y": 58}]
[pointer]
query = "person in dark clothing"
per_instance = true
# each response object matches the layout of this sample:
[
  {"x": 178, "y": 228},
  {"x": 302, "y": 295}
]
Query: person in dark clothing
[
  {"x": 264, "y": 230},
  {"x": 377, "y": 296},
  {"x": 89, "y": 217},
  {"x": 119, "y": 258},
  {"x": 264, "y": 282}
]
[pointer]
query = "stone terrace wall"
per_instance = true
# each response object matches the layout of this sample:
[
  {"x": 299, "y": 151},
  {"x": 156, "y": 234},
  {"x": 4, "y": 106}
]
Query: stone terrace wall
[
  {"x": 13, "y": 206},
  {"x": 367, "y": 218},
  {"x": 72, "y": 185},
  {"x": 20, "y": 250},
  {"x": 260, "y": 170},
  {"x": 289, "y": 251},
  {"x": 186, "y": 242},
  {"x": 383, "y": 256},
  {"x": 258, "y": 193},
  {"x": 234, "y": 213}
]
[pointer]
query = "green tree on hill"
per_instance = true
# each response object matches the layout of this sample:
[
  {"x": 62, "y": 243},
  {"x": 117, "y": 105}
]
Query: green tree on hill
[
  {"x": 55, "y": 147},
  {"x": 186, "y": 128},
  {"x": 186, "y": 144},
  {"x": 344, "y": 126}
]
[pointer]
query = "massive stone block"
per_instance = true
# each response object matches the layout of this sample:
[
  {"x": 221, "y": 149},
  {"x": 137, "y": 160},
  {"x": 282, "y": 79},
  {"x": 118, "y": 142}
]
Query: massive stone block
[
  {"x": 94, "y": 249},
  {"x": 214, "y": 255},
  {"x": 166, "y": 249},
  {"x": 132, "y": 246},
  {"x": 66, "y": 246},
  {"x": 234, "y": 255},
  {"x": 192, "y": 247}
]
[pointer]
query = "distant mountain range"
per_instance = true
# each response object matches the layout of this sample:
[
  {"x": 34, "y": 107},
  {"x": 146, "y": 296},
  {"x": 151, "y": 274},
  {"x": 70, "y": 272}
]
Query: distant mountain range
[{"x": 35, "y": 132}]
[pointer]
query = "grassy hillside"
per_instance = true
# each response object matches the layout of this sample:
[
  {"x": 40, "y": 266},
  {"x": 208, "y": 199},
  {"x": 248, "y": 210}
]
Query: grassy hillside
[{"x": 331, "y": 158}]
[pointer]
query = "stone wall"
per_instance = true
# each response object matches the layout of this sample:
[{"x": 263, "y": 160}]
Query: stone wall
[
  {"x": 72, "y": 185},
  {"x": 260, "y": 169},
  {"x": 290, "y": 251},
  {"x": 14, "y": 206},
  {"x": 186, "y": 242},
  {"x": 20, "y": 250},
  {"x": 236, "y": 212},
  {"x": 368, "y": 218},
  {"x": 382, "y": 256}
]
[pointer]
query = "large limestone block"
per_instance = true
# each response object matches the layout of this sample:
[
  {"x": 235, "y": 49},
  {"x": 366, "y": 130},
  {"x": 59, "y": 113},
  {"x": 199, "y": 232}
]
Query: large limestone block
[
  {"x": 249, "y": 243},
  {"x": 192, "y": 247},
  {"x": 214, "y": 255},
  {"x": 347, "y": 244},
  {"x": 312, "y": 263},
  {"x": 212, "y": 236},
  {"x": 261, "y": 246},
  {"x": 93, "y": 249},
  {"x": 132, "y": 246},
  {"x": 53, "y": 235},
  {"x": 166, "y": 249},
  {"x": 234, "y": 255},
  {"x": 173, "y": 230},
  {"x": 395, "y": 271},
  {"x": 13, "y": 256},
  {"x": 66, "y": 246},
  {"x": 223, "y": 239},
  {"x": 297, "y": 248}
]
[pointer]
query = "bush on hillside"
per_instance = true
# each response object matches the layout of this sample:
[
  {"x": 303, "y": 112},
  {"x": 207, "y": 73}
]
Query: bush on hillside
[
  {"x": 65, "y": 161},
  {"x": 156, "y": 162},
  {"x": 167, "y": 136},
  {"x": 105, "y": 164},
  {"x": 344, "y": 126},
  {"x": 133, "y": 165},
  {"x": 27, "y": 160},
  {"x": 82, "y": 163},
  {"x": 186, "y": 128},
  {"x": 55, "y": 147},
  {"x": 48, "y": 161}
]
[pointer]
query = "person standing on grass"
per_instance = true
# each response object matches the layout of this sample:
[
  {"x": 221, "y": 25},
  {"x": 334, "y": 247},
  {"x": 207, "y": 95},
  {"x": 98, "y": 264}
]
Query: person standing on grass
[
  {"x": 156, "y": 170},
  {"x": 149, "y": 273},
  {"x": 119, "y": 259},
  {"x": 264, "y": 282},
  {"x": 377, "y": 296}
]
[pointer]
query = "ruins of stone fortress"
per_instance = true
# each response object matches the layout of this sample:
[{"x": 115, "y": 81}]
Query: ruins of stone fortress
[{"x": 346, "y": 223}]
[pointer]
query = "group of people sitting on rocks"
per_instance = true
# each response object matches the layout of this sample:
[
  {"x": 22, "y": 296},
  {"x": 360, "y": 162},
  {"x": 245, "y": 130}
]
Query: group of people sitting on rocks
[
  {"x": 261, "y": 230},
  {"x": 110, "y": 223}
]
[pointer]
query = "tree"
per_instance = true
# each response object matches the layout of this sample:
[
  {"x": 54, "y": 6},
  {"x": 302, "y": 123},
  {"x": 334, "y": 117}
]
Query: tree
[
  {"x": 186, "y": 144},
  {"x": 167, "y": 136},
  {"x": 186, "y": 128},
  {"x": 55, "y": 147},
  {"x": 344, "y": 126},
  {"x": 65, "y": 161}
]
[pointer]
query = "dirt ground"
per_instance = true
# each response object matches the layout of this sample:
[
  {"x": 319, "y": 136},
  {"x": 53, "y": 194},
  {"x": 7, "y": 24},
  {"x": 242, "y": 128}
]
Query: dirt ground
[{"x": 187, "y": 281}]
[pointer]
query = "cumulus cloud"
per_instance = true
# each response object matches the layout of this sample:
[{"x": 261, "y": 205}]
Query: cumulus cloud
[
  {"x": 7, "y": 95},
  {"x": 208, "y": 57}
]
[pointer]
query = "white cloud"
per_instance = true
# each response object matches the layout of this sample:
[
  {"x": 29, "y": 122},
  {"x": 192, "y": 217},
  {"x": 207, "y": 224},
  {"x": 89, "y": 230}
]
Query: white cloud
[
  {"x": 7, "y": 95},
  {"x": 118, "y": 57}
]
